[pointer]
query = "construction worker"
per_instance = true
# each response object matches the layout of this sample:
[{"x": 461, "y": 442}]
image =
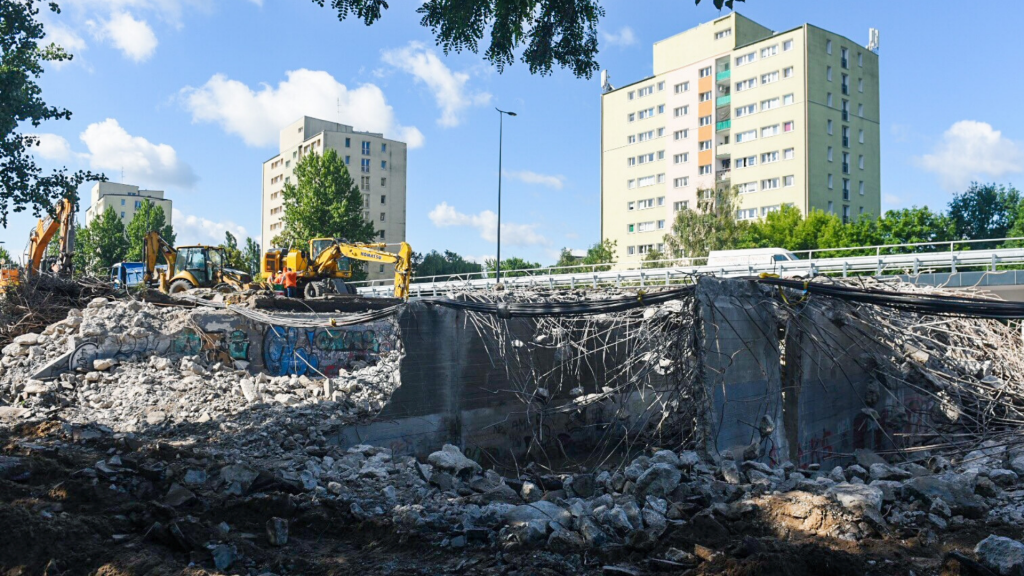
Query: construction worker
[{"x": 291, "y": 283}]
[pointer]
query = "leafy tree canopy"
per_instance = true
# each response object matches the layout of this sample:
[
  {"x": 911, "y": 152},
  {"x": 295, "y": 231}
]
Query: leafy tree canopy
[
  {"x": 509, "y": 265},
  {"x": 711, "y": 226},
  {"x": 149, "y": 216},
  {"x": 101, "y": 244},
  {"x": 251, "y": 257},
  {"x": 984, "y": 211},
  {"x": 437, "y": 264},
  {"x": 554, "y": 32},
  {"x": 233, "y": 257},
  {"x": 24, "y": 186}
]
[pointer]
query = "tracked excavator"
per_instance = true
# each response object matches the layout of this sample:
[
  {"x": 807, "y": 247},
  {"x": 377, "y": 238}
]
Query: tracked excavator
[
  {"x": 39, "y": 239},
  {"x": 325, "y": 267},
  {"x": 189, "y": 267}
]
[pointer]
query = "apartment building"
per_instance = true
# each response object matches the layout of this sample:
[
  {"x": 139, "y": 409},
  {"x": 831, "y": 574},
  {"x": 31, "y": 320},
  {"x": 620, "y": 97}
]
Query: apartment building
[
  {"x": 376, "y": 163},
  {"x": 784, "y": 117},
  {"x": 125, "y": 199}
]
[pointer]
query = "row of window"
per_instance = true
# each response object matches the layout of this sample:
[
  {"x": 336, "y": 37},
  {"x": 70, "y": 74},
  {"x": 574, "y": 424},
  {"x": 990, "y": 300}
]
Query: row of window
[
  {"x": 846, "y": 187},
  {"x": 366, "y": 146},
  {"x": 645, "y": 136},
  {"x": 769, "y": 104},
  {"x": 752, "y": 213},
  {"x": 846, "y": 160},
  {"x": 645, "y": 181},
  {"x": 766, "y": 131},
  {"x": 766, "y": 78},
  {"x": 645, "y": 113},
  {"x": 767, "y": 184},
  {"x": 364, "y": 164},
  {"x": 649, "y": 226},
  {"x": 645, "y": 158},
  {"x": 844, "y": 55},
  {"x": 766, "y": 52},
  {"x": 644, "y": 249},
  {"x": 645, "y": 204},
  {"x": 765, "y": 158}
]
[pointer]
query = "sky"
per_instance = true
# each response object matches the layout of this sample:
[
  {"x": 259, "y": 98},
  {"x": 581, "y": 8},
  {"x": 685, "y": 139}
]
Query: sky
[{"x": 188, "y": 96}]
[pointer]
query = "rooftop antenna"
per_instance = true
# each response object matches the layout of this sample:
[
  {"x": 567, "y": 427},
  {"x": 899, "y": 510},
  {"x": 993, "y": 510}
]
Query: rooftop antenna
[
  {"x": 873, "y": 39},
  {"x": 606, "y": 81}
]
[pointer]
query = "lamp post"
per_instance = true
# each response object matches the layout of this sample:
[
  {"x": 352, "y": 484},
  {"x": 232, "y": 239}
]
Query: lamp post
[{"x": 501, "y": 118}]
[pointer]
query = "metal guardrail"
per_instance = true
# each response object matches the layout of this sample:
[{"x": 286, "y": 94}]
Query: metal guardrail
[{"x": 682, "y": 270}]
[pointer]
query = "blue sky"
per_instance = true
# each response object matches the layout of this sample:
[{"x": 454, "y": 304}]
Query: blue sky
[{"x": 188, "y": 96}]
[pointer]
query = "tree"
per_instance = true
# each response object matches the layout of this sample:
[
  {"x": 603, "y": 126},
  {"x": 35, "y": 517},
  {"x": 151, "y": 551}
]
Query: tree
[
  {"x": 148, "y": 216},
  {"x": 251, "y": 257},
  {"x": 711, "y": 226},
  {"x": 509, "y": 266},
  {"x": 232, "y": 255},
  {"x": 5, "y": 256},
  {"x": 984, "y": 211},
  {"x": 916, "y": 225},
  {"x": 562, "y": 32},
  {"x": 655, "y": 259},
  {"x": 101, "y": 244},
  {"x": 600, "y": 253},
  {"x": 24, "y": 185},
  {"x": 437, "y": 264}
]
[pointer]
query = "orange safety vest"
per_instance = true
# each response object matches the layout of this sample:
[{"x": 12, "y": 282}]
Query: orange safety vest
[{"x": 291, "y": 279}]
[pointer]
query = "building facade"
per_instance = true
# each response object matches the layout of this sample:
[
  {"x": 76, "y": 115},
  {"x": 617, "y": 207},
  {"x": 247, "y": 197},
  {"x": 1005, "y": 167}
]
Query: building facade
[
  {"x": 783, "y": 117},
  {"x": 376, "y": 164},
  {"x": 125, "y": 199}
]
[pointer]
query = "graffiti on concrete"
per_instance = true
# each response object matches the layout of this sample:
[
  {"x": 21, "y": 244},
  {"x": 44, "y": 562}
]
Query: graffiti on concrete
[{"x": 325, "y": 351}]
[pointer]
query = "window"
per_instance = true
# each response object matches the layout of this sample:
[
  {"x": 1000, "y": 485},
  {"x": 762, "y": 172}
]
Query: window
[
  {"x": 769, "y": 77},
  {"x": 787, "y": 72},
  {"x": 746, "y": 84},
  {"x": 645, "y": 158},
  {"x": 746, "y": 162},
  {"x": 661, "y": 109},
  {"x": 383, "y": 164},
  {"x": 681, "y": 134},
  {"x": 661, "y": 154},
  {"x": 860, "y": 161},
  {"x": 383, "y": 181},
  {"x": 630, "y": 250},
  {"x": 631, "y": 117},
  {"x": 681, "y": 158},
  {"x": 645, "y": 182},
  {"x": 645, "y": 91},
  {"x": 830, "y": 209},
  {"x": 631, "y": 206},
  {"x": 769, "y": 157},
  {"x": 746, "y": 214},
  {"x": 860, "y": 59},
  {"x": 769, "y": 131},
  {"x": 380, "y": 234},
  {"x": 366, "y": 147},
  {"x": 630, "y": 184},
  {"x": 631, "y": 139},
  {"x": 788, "y": 154},
  {"x": 645, "y": 136},
  {"x": 746, "y": 58},
  {"x": 745, "y": 110},
  {"x": 787, "y": 181},
  {"x": 348, "y": 142},
  {"x": 364, "y": 182},
  {"x": 787, "y": 99},
  {"x": 704, "y": 145},
  {"x": 723, "y": 34},
  {"x": 678, "y": 206},
  {"x": 704, "y": 72},
  {"x": 748, "y": 188},
  {"x": 705, "y": 121},
  {"x": 683, "y": 87},
  {"x": 681, "y": 111},
  {"x": 365, "y": 165},
  {"x": 661, "y": 132},
  {"x": 860, "y": 84},
  {"x": 632, "y": 94},
  {"x": 828, "y": 46},
  {"x": 271, "y": 181},
  {"x": 829, "y": 181},
  {"x": 861, "y": 187},
  {"x": 769, "y": 104},
  {"x": 703, "y": 170},
  {"x": 383, "y": 147},
  {"x": 846, "y": 84},
  {"x": 704, "y": 96},
  {"x": 383, "y": 199},
  {"x": 844, "y": 53},
  {"x": 769, "y": 51},
  {"x": 680, "y": 182},
  {"x": 645, "y": 113},
  {"x": 829, "y": 153},
  {"x": 860, "y": 136},
  {"x": 828, "y": 73},
  {"x": 382, "y": 216},
  {"x": 366, "y": 204},
  {"x": 661, "y": 199},
  {"x": 860, "y": 110},
  {"x": 787, "y": 45},
  {"x": 766, "y": 210},
  {"x": 122, "y": 214},
  {"x": 846, "y": 214},
  {"x": 787, "y": 126},
  {"x": 828, "y": 99},
  {"x": 846, "y": 136},
  {"x": 661, "y": 86},
  {"x": 630, "y": 228},
  {"x": 746, "y": 136},
  {"x": 830, "y": 126},
  {"x": 348, "y": 160}
]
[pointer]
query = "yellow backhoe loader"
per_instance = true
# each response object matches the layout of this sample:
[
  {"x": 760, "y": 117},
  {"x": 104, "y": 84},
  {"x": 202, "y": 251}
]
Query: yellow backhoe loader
[
  {"x": 40, "y": 237},
  {"x": 325, "y": 267},
  {"x": 190, "y": 267}
]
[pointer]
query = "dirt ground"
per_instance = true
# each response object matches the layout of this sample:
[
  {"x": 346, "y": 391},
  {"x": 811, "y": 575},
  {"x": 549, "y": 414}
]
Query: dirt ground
[{"x": 60, "y": 519}]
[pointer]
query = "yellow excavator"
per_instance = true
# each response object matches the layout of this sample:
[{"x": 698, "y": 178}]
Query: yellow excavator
[
  {"x": 190, "y": 267},
  {"x": 43, "y": 233},
  {"x": 325, "y": 267}
]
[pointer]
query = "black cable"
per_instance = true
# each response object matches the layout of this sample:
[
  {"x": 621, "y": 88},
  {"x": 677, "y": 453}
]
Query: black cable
[{"x": 542, "y": 309}]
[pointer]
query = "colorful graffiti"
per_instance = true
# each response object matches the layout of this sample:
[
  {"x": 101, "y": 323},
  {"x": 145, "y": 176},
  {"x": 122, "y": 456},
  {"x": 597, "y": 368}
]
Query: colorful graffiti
[{"x": 318, "y": 351}]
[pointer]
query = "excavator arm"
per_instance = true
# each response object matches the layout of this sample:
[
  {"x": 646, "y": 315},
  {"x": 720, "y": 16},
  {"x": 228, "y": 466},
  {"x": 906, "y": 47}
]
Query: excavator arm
[
  {"x": 153, "y": 246},
  {"x": 44, "y": 232},
  {"x": 376, "y": 253}
]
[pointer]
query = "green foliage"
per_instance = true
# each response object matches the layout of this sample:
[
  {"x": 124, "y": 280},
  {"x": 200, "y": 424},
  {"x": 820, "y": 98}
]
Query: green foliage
[
  {"x": 437, "y": 264},
  {"x": 508, "y": 265},
  {"x": 712, "y": 226},
  {"x": 101, "y": 244},
  {"x": 600, "y": 253},
  {"x": 655, "y": 259},
  {"x": 984, "y": 211},
  {"x": 5, "y": 256},
  {"x": 148, "y": 217},
  {"x": 232, "y": 255},
  {"x": 251, "y": 257},
  {"x": 915, "y": 225},
  {"x": 24, "y": 185}
]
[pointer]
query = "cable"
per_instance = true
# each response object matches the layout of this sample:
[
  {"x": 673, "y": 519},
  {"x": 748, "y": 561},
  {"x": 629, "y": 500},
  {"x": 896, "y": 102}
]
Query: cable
[{"x": 543, "y": 309}]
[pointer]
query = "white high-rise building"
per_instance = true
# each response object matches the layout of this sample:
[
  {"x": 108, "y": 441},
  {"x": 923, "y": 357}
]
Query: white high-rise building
[{"x": 125, "y": 199}]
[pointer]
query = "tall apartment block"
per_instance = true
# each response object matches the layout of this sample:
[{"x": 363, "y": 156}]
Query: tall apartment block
[
  {"x": 784, "y": 117},
  {"x": 376, "y": 163}
]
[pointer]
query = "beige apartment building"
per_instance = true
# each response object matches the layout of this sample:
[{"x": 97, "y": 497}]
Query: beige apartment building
[
  {"x": 376, "y": 163},
  {"x": 785, "y": 117},
  {"x": 125, "y": 199}
]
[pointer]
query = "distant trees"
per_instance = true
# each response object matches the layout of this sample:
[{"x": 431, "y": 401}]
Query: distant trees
[
  {"x": 251, "y": 257},
  {"x": 101, "y": 244},
  {"x": 148, "y": 216},
  {"x": 437, "y": 264},
  {"x": 508, "y": 267},
  {"x": 601, "y": 253},
  {"x": 711, "y": 226}
]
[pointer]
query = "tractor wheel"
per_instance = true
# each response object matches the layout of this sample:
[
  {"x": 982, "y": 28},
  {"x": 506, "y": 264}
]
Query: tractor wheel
[
  {"x": 225, "y": 288},
  {"x": 313, "y": 290},
  {"x": 180, "y": 285}
]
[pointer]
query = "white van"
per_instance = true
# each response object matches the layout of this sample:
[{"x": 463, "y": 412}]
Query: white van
[{"x": 757, "y": 257}]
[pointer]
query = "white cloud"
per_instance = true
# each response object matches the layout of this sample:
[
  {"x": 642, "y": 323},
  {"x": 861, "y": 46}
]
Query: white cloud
[
  {"x": 449, "y": 88},
  {"x": 190, "y": 229},
  {"x": 134, "y": 38},
  {"x": 486, "y": 223},
  {"x": 624, "y": 37},
  {"x": 144, "y": 163},
  {"x": 556, "y": 182},
  {"x": 51, "y": 147},
  {"x": 258, "y": 116},
  {"x": 969, "y": 150},
  {"x": 66, "y": 38}
]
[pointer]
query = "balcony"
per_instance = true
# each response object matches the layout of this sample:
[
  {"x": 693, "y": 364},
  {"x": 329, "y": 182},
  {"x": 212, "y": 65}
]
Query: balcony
[
  {"x": 846, "y": 89},
  {"x": 723, "y": 125},
  {"x": 723, "y": 101},
  {"x": 846, "y": 195},
  {"x": 846, "y": 115},
  {"x": 846, "y": 168},
  {"x": 846, "y": 141},
  {"x": 723, "y": 151},
  {"x": 845, "y": 63},
  {"x": 723, "y": 75},
  {"x": 723, "y": 175}
]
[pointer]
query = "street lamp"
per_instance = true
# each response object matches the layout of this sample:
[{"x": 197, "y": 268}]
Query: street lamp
[{"x": 501, "y": 118}]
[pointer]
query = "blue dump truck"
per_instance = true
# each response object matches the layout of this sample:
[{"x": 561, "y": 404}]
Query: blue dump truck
[{"x": 127, "y": 274}]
